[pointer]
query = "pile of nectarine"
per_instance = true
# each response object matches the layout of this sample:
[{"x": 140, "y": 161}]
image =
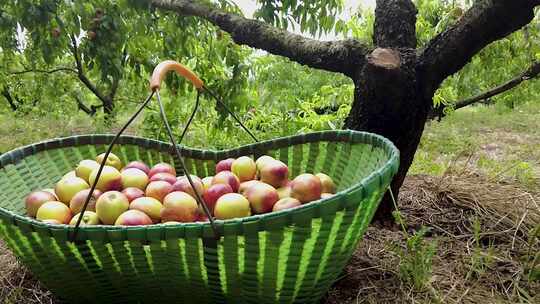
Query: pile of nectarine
[{"x": 136, "y": 194}]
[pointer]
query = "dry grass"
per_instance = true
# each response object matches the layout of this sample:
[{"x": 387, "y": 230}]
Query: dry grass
[
  {"x": 17, "y": 284},
  {"x": 447, "y": 205}
]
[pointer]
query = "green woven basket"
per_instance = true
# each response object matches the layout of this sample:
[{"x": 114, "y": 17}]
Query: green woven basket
[{"x": 292, "y": 256}]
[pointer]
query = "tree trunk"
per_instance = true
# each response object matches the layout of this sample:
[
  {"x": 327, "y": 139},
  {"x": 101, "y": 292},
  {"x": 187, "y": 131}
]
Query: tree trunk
[
  {"x": 387, "y": 98},
  {"x": 387, "y": 102}
]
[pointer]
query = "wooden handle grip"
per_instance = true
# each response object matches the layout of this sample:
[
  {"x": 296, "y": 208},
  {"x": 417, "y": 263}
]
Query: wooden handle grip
[{"x": 170, "y": 65}]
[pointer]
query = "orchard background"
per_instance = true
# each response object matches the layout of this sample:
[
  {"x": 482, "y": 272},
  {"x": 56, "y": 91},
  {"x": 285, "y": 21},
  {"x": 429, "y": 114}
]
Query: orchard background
[{"x": 467, "y": 227}]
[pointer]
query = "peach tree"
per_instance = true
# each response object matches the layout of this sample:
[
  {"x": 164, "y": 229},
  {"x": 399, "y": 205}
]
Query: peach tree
[
  {"x": 395, "y": 78},
  {"x": 400, "y": 60}
]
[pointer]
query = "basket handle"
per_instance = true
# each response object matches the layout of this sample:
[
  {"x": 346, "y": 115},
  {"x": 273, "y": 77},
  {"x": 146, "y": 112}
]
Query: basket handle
[
  {"x": 155, "y": 83},
  {"x": 170, "y": 65}
]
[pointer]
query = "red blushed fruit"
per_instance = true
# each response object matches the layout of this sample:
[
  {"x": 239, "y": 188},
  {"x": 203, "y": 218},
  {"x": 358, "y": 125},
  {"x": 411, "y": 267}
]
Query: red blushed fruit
[
  {"x": 110, "y": 205},
  {"x": 263, "y": 160},
  {"x": 35, "y": 199},
  {"x": 261, "y": 197},
  {"x": 133, "y": 193},
  {"x": 158, "y": 190},
  {"x": 54, "y": 211},
  {"x": 133, "y": 177},
  {"x": 243, "y": 186},
  {"x": 224, "y": 165},
  {"x": 162, "y": 168},
  {"x": 138, "y": 165},
  {"x": 227, "y": 177},
  {"x": 77, "y": 202},
  {"x": 51, "y": 191},
  {"x": 133, "y": 218},
  {"x": 66, "y": 188},
  {"x": 180, "y": 207},
  {"x": 182, "y": 184},
  {"x": 274, "y": 173},
  {"x": 151, "y": 206},
  {"x": 162, "y": 176},
  {"x": 286, "y": 203},
  {"x": 211, "y": 195},
  {"x": 244, "y": 168},
  {"x": 327, "y": 183},
  {"x": 306, "y": 188},
  {"x": 202, "y": 218},
  {"x": 232, "y": 205},
  {"x": 109, "y": 180}
]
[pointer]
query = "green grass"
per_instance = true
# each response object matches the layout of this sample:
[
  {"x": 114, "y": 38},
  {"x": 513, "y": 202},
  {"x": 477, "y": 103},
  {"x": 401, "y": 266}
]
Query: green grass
[
  {"x": 480, "y": 259},
  {"x": 416, "y": 260},
  {"x": 496, "y": 141},
  {"x": 16, "y": 131}
]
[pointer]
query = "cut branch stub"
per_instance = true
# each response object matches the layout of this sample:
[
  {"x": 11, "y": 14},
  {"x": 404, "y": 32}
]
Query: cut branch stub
[
  {"x": 385, "y": 75},
  {"x": 384, "y": 58}
]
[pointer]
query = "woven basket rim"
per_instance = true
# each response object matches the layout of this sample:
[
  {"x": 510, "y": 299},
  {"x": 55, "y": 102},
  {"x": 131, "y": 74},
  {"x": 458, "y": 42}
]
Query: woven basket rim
[{"x": 375, "y": 178}]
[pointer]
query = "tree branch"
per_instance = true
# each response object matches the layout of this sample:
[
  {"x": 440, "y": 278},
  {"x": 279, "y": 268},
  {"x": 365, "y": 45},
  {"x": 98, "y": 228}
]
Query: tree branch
[
  {"x": 90, "y": 111},
  {"x": 7, "y": 95},
  {"x": 83, "y": 107},
  {"x": 344, "y": 56},
  {"x": 486, "y": 21},
  {"x": 80, "y": 72},
  {"x": 532, "y": 72},
  {"x": 60, "y": 69}
]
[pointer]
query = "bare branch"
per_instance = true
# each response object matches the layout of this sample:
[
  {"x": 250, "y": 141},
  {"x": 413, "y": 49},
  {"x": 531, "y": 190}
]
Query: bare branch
[
  {"x": 344, "y": 56},
  {"x": 486, "y": 21},
  {"x": 532, "y": 72}
]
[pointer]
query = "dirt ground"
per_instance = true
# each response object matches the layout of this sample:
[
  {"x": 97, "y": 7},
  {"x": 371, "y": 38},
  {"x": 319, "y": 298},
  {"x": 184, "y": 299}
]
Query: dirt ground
[
  {"x": 489, "y": 266},
  {"x": 491, "y": 263}
]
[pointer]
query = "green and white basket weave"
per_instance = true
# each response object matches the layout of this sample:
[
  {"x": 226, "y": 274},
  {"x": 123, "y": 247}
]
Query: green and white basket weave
[{"x": 291, "y": 256}]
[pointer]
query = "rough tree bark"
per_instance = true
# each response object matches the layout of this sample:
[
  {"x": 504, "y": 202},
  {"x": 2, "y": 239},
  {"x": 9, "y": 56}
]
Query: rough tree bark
[
  {"x": 380, "y": 106},
  {"x": 394, "y": 82}
]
